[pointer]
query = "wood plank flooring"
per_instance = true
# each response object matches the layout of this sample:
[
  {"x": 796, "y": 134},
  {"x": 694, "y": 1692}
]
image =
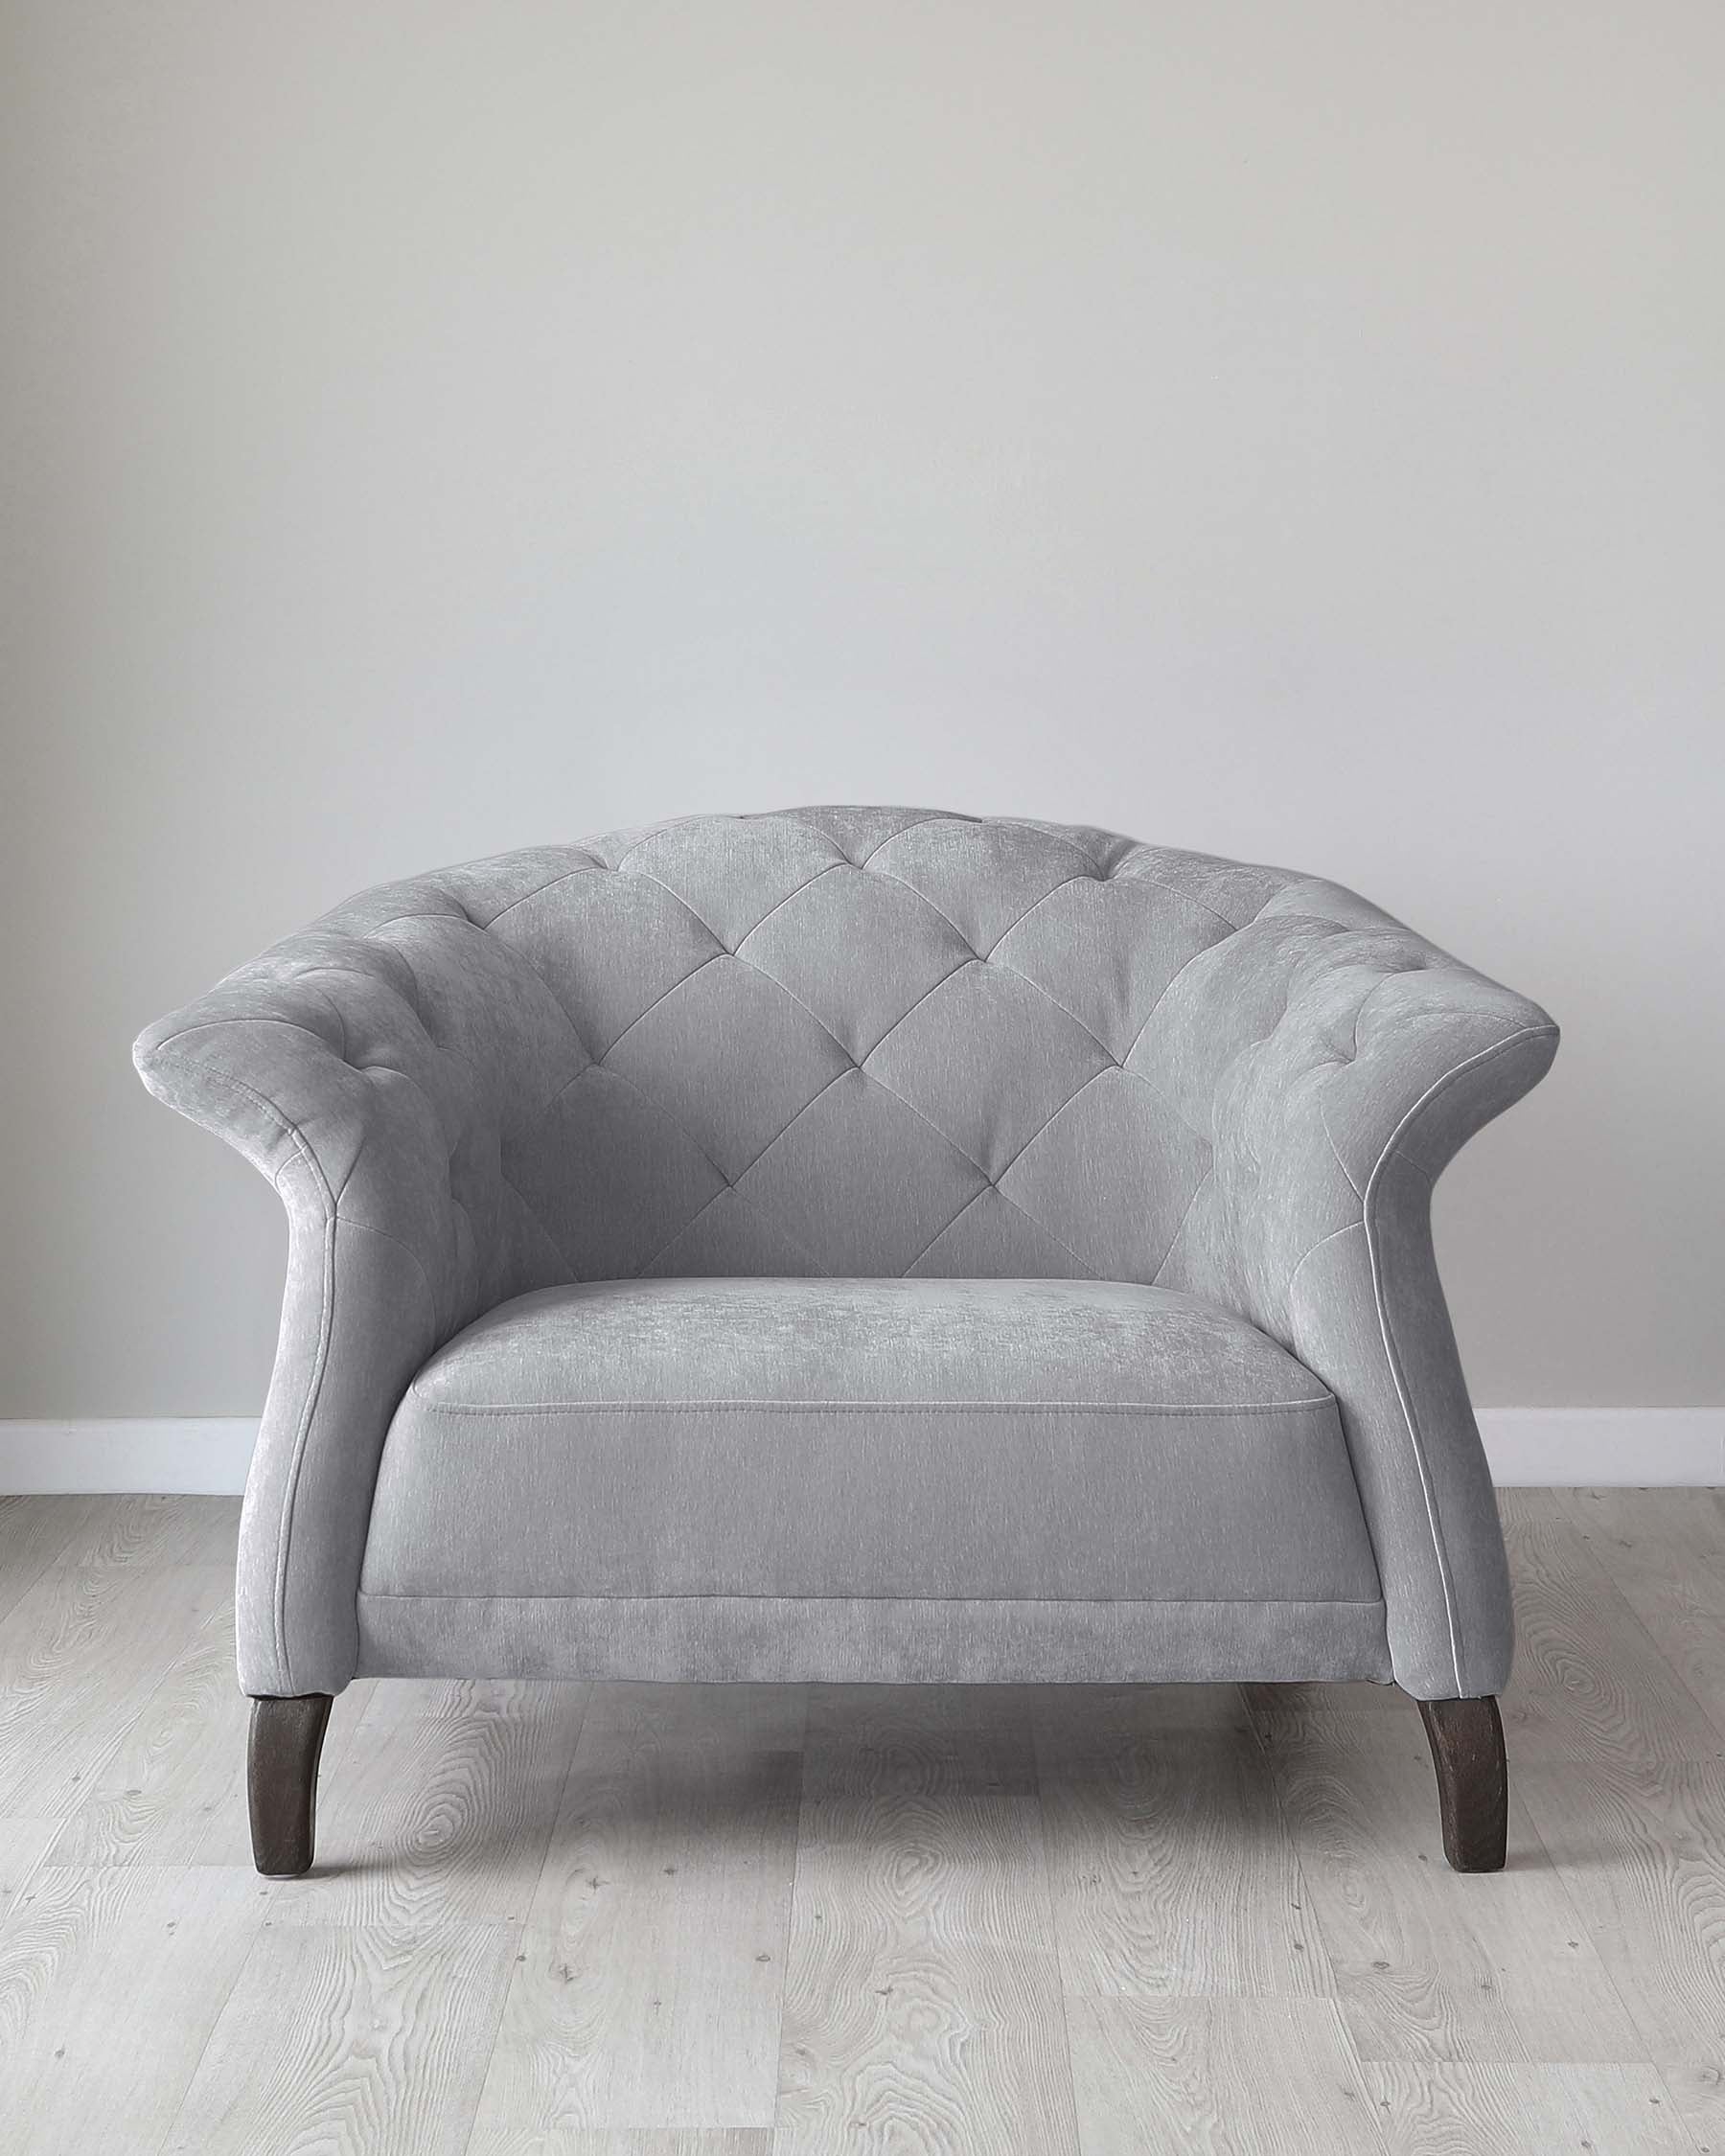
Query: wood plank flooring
[{"x": 677, "y": 1920}]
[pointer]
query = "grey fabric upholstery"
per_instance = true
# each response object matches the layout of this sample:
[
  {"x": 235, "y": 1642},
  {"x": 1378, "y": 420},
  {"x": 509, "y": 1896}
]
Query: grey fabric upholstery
[
  {"x": 880, "y": 1640},
  {"x": 855, "y": 1043},
  {"x": 1004, "y": 1440}
]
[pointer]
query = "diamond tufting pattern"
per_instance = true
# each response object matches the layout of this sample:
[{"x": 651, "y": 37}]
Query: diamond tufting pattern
[
  {"x": 829, "y": 1040},
  {"x": 817, "y": 1041},
  {"x": 860, "y": 1042}
]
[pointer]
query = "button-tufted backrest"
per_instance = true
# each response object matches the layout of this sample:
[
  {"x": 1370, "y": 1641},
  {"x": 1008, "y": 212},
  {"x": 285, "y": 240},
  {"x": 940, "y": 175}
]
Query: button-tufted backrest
[{"x": 846, "y": 1040}]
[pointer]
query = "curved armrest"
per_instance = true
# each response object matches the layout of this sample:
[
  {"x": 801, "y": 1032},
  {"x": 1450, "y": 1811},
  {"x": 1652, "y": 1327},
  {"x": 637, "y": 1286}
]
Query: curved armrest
[
  {"x": 1340, "y": 1061},
  {"x": 316, "y": 1061}
]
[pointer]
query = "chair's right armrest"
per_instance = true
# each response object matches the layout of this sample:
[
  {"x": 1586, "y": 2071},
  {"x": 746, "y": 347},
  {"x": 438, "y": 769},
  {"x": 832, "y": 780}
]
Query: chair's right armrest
[
  {"x": 1338, "y": 1062},
  {"x": 314, "y": 1064},
  {"x": 316, "y": 1061}
]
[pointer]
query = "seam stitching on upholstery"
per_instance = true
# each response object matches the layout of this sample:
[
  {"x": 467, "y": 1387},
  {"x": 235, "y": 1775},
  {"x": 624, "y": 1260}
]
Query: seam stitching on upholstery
[
  {"x": 620, "y": 866},
  {"x": 348, "y": 1220},
  {"x": 922, "y": 1116},
  {"x": 1174, "y": 890},
  {"x": 911, "y": 1009},
  {"x": 1390, "y": 1353},
  {"x": 647, "y": 876},
  {"x": 772, "y": 981},
  {"x": 1054, "y": 836},
  {"x": 1053, "y": 1118},
  {"x": 658, "y": 1110},
  {"x": 939, "y": 815},
  {"x": 1179, "y": 1224},
  {"x": 1383, "y": 982},
  {"x": 1155, "y": 1086},
  {"x": 681, "y": 982},
  {"x": 1019, "y": 920},
  {"x": 1336, "y": 1152},
  {"x": 1016, "y": 972},
  {"x": 871, "y": 1407},
  {"x": 976, "y": 1198},
  {"x": 664, "y": 1113},
  {"x": 701, "y": 1212},
  {"x": 592, "y": 867},
  {"x": 302, "y": 1441},
  {"x": 320, "y": 1354},
  {"x": 812, "y": 1016},
  {"x": 786, "y": 1129},
  {"x": 1086, "y": 1269},
  {"x": 675, "y": 1122},
  {"x": 1311, "y": 1251},
  {"x": 1282, "y": 891},
  {"x": 794, "y": 890},
  {"x": 220, "y": 1025},
  {"x": 893, "y": 877},
  {"x": 337, "y": 1012},
  {"x": 376, "y": 928},
  {"x": 1042, "y": 1229},
  {"x": 1168, "y": 990},
  {"x": 522, "y": 1200},
  {"x": 916, "y": 1601},
  {"x": 1013, "y": 973}
]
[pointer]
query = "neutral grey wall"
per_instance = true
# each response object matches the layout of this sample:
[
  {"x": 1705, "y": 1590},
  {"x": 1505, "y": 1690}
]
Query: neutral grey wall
[{"x": 1294, "y": 431}]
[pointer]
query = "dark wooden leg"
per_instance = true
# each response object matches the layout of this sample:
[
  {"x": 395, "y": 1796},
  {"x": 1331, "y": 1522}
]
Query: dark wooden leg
[
  {"x": 1473, "y": 1780},
  {"x": 281, "y": 1773}
]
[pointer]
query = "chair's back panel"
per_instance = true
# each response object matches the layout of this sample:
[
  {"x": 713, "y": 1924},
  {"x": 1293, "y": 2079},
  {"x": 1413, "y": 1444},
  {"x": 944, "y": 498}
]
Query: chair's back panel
[{"x": 840, "y": 1041}]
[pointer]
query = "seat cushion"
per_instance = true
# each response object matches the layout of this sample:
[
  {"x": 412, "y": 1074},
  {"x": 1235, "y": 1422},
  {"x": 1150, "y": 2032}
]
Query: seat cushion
[{"x": 1010, "y": 1439}]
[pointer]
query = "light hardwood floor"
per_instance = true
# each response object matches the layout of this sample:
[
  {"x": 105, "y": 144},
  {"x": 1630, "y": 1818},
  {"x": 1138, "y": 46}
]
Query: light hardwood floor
[{"x": 640, "y": 1921}]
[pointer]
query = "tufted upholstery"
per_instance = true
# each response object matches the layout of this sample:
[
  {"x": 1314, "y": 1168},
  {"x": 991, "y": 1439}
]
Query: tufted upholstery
[{"x": 857, "y": 1042}]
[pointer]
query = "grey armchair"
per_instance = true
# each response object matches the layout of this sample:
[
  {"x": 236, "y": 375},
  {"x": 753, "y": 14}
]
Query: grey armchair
[{"x": 865, "y": 1245}]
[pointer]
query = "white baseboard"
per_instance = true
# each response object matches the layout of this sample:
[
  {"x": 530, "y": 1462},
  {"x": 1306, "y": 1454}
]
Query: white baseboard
[
  {"x": 203, "y": 1455},
  {"x": 1633, "y": 1446},
  {"x": 208, "y": 1455}
]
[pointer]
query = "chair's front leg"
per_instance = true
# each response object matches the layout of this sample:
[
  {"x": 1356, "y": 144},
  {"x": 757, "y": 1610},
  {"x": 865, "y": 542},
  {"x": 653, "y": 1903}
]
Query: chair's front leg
[
  {"x": 1466, "y": 1738},
  {"x": 281, "y": 1773}
]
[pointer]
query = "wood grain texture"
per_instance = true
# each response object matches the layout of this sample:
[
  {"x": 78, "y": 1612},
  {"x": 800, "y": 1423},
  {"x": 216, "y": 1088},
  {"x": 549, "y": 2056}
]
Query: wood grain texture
[
  {"x": 1270, "y": 1703},
  {"x": 1665, "y": 1553},
  {"x": 34, "y": 1532},
  {"x": 674, "y": 2141},
  {"x": 1450, "y": 2110},
  {"x": 24, "y": 1847},
  {"x": 1429, "y": 1963},
  {"x": 143, "y": 1533},
  {"x": 357, "y": 2040},
  {"x": 442, "y": 1806},
  {"x": 283, "y": 1747},
  {"x": 1635, "y": 1533},
  {"x": 764, "y": 1920},
  {"x": 647, "y": 1991},
  {"x": 1172, "y": 1868},
  {"x": 80, "y": 1652},
  {"x": 173, "y": 1790},
  {"x": 922, "y": 2005},
  {"x": 1226, "y": 2077},
  {"x": 1466, "y": 1738},
  {"x": 1643, "y": 1855},
  {"x": 1588, "y": 1682},
  {"x": 110, "y": 1983}
]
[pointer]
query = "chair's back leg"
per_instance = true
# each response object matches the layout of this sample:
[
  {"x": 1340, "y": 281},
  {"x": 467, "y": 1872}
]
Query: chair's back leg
[
  {"x": 281, "y": 1771},
  {"x": 1473, "y": 1780}
]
